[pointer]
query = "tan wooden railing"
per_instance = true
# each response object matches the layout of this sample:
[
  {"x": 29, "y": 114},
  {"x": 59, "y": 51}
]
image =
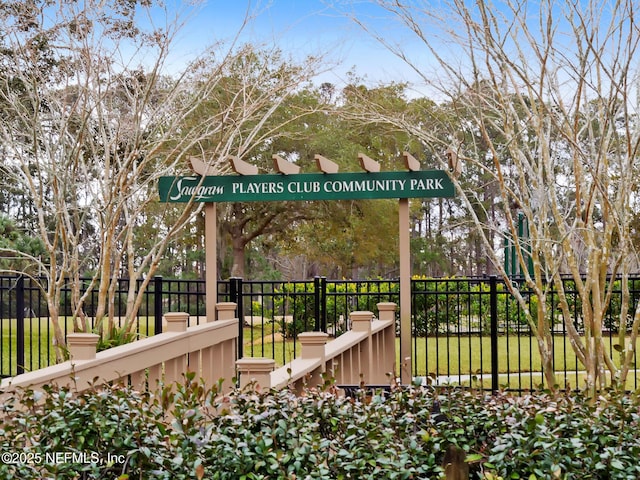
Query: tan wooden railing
[
  {"x": 209, "y": 350},
  {"x": 365, "y": 354}
]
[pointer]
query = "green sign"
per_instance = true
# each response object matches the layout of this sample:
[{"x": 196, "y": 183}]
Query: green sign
[{"x": 306, "y": 186}]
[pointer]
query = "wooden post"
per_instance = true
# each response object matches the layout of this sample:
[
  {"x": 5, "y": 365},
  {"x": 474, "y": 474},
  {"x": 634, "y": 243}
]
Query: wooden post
[
  {"x": 361, "y": 322},
  {"x": 226, "y": 310},
  {"x": 312, "y": 346},
  {"x": 226, "y": 369},
  {"x": 211, "y": 260},
  {"x": 405, "y": 292},
  {"x": 386, "y": 354},
  {"x": 256, "y": 370},
  {"x": 454, "y": 464},
  {"x": 176, "y": 321},
  {"x": 82, "y": 346}
]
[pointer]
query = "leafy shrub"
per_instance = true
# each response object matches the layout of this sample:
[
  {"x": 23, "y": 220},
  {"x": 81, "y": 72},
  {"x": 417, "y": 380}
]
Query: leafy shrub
[
  {"x": 291, "y": 328},
  {"x": 190, "y": 431},
  {"x": 569, "y": 437},
  {"x": 435, "y": 303},
  {"x": 297, "y": 300},
  {"x": 114, "y": 421}
]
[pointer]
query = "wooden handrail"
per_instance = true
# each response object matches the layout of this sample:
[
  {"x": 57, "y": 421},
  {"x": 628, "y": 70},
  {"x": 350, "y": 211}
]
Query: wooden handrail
[
  {"x": 364, "y": 354},
  {"x": 209, "y": 350}
]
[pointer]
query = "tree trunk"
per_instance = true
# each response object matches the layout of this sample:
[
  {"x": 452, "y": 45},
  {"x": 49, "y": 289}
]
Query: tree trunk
[{"x": 238, "y": 245}]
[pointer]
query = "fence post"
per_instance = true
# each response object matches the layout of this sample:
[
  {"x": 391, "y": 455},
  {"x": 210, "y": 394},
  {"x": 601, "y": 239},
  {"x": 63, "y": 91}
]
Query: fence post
[
  {"x": 20, "y": 330},
  {"x": 493, "y": 305},
  {"x": 320, "y": 307},
  {"x": 235, "y": 294},
  {"x": 323, "y": 314},
  {"x": 157, "y": 304}
]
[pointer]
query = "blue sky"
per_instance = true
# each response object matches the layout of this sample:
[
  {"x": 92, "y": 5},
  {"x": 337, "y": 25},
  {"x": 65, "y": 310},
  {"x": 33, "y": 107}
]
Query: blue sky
[{"x": 299, "y": 27}]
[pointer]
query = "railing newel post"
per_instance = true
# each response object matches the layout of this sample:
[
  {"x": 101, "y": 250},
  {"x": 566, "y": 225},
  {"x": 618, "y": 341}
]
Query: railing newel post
[
  {"x": 177, "y": 321},
  {"x": 82, "y": 346},
  {"x": 255, "y": 369},
  {"x": 226, "y": 310}
]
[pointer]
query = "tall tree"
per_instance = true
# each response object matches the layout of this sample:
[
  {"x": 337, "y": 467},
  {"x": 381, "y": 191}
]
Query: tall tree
[
  {"x": 353, "y": 238},
  {"x": 545, "y": 95},
  {"x": 92, "y": 121},
  {"x": 243, "y": 223},
  {"x": 334, "y": 238}
]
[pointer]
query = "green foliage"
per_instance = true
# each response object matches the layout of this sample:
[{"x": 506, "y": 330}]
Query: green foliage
[
  {"x": 114, "y": 337},
  {"x": 612, "y": 319},
  {"x": 437, "y": 301},
  {"x": 570, "y": 437},
  {"x": 189, "y": 431},
  {"x": 296, "y": 300},
  {"x": 111, "y": 421},
  {"x": 360, "y": 296},
  {"x": 293, "y": 306},
  {"x": 16, "y": 247}
]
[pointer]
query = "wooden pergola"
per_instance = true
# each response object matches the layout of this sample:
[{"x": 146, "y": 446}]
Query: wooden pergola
[{"x": 291, "y": 185}]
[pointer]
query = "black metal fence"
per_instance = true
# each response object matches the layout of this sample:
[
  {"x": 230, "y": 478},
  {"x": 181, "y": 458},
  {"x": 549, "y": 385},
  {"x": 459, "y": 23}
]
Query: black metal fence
[
  {"x": 464, "y": 330},
  {"x": 27, "y": 332},
  {"x": 275, "y": 312}
]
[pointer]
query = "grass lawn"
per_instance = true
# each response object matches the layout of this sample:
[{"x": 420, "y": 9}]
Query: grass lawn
[
  {"x": 462, "y": 360},
  {"x": 439, "y": 356},
  {"x": 472, "y": 355}
]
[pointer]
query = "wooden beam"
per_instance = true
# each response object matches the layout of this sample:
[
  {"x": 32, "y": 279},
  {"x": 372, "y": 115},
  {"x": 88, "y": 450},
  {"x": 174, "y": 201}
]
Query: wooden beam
[
  {"x": 201, "y": 168},
  {"x": 368, "y": 164},
  {"x": 410, "y": 162},
  {"x": 455, "y": 164},
  {"x": 284, "y": 167},
  {"x": 325, "y": 165},
  {"x": 241, "y": 167}
]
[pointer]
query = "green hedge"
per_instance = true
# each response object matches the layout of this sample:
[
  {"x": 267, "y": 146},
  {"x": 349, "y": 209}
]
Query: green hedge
[
  {"x": 297, "y": 300},
  {"x": 402, "y": 433}
]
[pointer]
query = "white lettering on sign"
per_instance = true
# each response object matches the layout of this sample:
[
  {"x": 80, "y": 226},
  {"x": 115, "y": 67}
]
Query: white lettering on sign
[
  {"x": 364, "y": 186},
  {"x": 304, "y": 187},
  {"x": 427, "y": 184},
  {"x": 198, "y": 191},
  {"x": 257, "y": 188}
]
